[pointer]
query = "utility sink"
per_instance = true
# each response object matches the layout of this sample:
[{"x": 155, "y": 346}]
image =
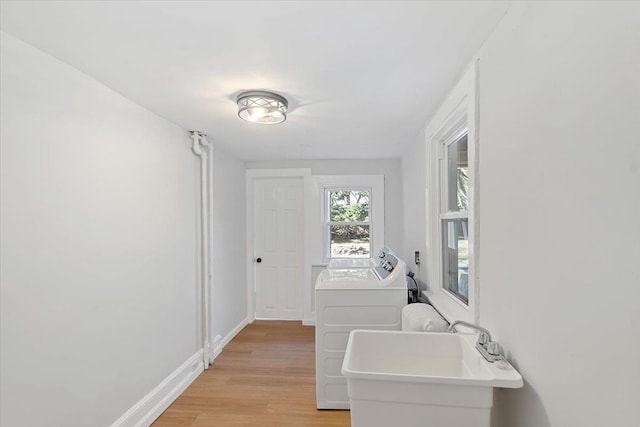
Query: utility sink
[{"x": 390, "y": 372}]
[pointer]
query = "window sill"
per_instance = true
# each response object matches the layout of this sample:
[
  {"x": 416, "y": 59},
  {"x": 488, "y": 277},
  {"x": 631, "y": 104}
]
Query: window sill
[{"x": 449, "y": 306}]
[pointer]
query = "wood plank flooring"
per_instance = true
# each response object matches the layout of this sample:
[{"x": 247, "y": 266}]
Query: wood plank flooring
[{"x": 264, "y": 377}]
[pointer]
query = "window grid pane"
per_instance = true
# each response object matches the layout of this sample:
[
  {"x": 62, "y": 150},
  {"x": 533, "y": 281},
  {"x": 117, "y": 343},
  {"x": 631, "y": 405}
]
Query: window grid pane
[
  {"x": 455, "y": 257},
  {"x": 457, "y": 176},
  {"x": 348, "y": 206},
  {"x": 349, "y": 241}
]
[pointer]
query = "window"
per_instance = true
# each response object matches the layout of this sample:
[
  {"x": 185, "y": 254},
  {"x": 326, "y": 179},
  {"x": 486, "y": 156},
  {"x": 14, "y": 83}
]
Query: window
[
  {"x": 452, "y": 194},
  {"x": 454, "y": 217},
  {"x": 350, "y": 216},
  {"x": 348, "y": 223}
]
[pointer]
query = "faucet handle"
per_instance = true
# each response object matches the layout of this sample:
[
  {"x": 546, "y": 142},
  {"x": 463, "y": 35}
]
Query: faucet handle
[
  {"x": 493, "y": 348},
  {"x": 483, "y": 339}
]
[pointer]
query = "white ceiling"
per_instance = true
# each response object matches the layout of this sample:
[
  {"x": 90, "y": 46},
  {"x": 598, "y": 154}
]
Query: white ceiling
[{"x": 361, "y": 78}]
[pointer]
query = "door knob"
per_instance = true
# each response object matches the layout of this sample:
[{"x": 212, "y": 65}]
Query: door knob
[{"x": 258, "y": 260}]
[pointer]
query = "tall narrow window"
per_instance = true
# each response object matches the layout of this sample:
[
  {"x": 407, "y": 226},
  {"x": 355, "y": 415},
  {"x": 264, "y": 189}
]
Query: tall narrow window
[
  {"x": 454, "y": 217},
  {"x": 348, "y": 223},
  {"x": 453, "y": 195}
]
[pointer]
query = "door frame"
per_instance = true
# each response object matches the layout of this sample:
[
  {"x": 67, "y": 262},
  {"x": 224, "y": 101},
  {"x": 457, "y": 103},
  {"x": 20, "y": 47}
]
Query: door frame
[{"x": 251, "y": 176}]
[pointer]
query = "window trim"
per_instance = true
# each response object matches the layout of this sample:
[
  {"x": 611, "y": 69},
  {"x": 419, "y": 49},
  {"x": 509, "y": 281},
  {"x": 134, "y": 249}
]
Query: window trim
[
  {"x": 374, "y": 184},
  {"x": 457, "y": 114}
]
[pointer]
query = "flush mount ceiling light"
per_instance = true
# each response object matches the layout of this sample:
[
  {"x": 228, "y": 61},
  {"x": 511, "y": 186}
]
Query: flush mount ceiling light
[{"x": 262, "y": 107}]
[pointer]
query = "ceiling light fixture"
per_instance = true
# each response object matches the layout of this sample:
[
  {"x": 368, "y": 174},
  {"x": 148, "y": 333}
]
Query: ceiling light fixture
[{"x": 258, "y": 106}]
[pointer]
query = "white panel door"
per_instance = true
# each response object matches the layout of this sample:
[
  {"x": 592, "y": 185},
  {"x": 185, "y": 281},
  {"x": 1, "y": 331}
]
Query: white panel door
[{"x": 279, "y": 246}]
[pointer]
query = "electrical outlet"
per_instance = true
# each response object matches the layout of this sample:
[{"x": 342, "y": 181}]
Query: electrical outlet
[{"x": 416, "y": 257}]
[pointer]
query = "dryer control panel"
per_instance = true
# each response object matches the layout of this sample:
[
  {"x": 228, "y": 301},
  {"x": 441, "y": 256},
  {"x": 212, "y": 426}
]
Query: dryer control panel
[{"x": 385, "y": 263}]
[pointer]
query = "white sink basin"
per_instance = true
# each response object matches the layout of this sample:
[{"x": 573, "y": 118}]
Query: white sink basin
[
  {"x": 436, "y": 358},
  {"x": 389, "y": 372}
]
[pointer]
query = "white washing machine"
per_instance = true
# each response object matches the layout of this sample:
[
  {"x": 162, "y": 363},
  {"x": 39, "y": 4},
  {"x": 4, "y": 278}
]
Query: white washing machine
[{"x": 353, "y": 298}]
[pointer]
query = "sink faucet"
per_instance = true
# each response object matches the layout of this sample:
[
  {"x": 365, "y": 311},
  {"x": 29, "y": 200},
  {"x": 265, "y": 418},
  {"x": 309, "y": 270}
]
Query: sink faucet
[{"x": 489, "y": 349}]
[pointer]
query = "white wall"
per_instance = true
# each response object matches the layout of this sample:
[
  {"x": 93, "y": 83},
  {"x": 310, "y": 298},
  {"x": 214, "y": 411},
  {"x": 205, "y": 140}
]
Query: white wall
[
  {"x": 559, "y": 201},
  {"x": 99, "y": 274},
  {"x": 390, "y": 168},
  {"x": 559, "y": 116},
  {"x": 229, "y": 257}
]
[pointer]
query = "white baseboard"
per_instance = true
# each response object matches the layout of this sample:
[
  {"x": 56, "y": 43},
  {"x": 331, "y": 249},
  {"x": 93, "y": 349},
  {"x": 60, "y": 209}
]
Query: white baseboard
[
  {"x": 220, "y": 343},
  {"x": 145, "y": 412}
]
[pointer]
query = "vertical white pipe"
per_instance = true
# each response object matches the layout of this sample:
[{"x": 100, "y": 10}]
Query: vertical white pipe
[
  {"x": 204, "y": 250},
  {"x": 210, "y": 290}
]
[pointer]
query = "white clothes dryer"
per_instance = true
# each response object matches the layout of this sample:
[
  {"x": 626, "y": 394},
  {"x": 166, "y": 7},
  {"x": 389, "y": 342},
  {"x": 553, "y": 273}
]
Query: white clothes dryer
[{"x": 353, "y": 298}]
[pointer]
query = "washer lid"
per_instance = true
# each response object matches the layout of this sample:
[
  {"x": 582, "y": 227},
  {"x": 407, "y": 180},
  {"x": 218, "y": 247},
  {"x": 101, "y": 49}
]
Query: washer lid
[
  {"x": 357, "y": 278},
  {"x": 350, "y": 274},
  {"x": 351, "y": 263}
]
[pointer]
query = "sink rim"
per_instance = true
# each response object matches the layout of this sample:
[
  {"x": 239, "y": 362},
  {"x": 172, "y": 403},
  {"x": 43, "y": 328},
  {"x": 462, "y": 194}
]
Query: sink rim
[{"x": 495, "y": 377}]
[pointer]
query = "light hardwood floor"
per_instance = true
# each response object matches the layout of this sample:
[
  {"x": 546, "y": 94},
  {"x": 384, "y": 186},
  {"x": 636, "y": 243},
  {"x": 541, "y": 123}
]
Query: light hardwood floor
[{"x": 264, "y": 377}]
